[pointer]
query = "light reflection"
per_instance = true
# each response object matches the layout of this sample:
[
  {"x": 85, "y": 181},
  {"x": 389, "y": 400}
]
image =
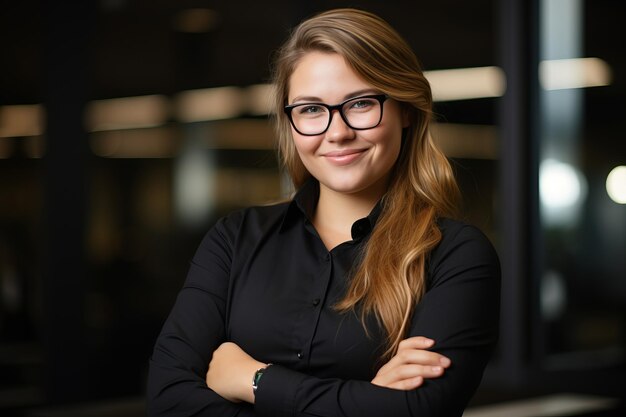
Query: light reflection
[
  {"x": 194, "y": 178},
  {"x": 209, "y": 104},
  {"x": 21, "y": 120},
  {"x": 553, "y": 295},
  {"x": 616, "y": 184},
  {"x": 466, "y": 141},
  {"x": 159, "y": 142},
  {"x": 259, "y": 98},
  {"x": 562, "y": 74},
  {"x": 127, "y": 113},
  {"x": 562, "y": 189},
  {"x": 466, "y": 83},
  {"x": 232, "y": 102}
]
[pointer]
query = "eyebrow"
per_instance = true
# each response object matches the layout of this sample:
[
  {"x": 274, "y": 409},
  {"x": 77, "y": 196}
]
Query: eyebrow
[{"x": 354, "y": 94}]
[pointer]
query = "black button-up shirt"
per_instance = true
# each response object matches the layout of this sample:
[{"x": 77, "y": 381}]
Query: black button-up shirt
[{"x": 263, "y": 279}]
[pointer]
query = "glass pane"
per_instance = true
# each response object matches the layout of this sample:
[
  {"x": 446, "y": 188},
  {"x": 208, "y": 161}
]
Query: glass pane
[{"x": 583, "y": 223}]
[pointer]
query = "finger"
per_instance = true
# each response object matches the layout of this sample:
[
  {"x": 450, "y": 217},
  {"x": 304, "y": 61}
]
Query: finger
[
  {"x": 408, "y": 372},
  {"x": 416, "y": 342},
  {"x": 421, "y": 357},
  {"x": 408, "y": 384},
  {"x": 432, "y": 371},
  {"x": 414, "y": 357},
  {"x": 404, "y": 385},
  {"x": 412, "y": 371}
]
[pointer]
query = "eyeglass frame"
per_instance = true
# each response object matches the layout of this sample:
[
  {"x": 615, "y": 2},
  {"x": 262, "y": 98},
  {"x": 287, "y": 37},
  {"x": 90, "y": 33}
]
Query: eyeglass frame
[{"x": 381, "y": 98}]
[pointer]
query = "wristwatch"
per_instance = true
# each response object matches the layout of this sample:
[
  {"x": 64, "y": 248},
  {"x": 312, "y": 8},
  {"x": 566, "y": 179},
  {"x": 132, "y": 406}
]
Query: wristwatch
[{"x": 257, "y": 377}]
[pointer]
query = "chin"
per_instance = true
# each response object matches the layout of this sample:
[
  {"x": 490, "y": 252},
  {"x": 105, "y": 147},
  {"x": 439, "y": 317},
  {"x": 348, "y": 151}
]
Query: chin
[{"x": 346, "y": 187}]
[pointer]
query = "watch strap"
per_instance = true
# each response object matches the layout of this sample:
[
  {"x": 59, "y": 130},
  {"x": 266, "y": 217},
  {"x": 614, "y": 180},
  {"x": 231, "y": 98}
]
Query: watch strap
[{"x": 257, "y": 378}]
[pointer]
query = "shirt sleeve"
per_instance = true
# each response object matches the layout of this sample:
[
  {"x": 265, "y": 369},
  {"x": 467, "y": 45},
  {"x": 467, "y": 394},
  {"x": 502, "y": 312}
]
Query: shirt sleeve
[
  {"x": 460, "y": 311},
  {"x": 193, "y": 330}
]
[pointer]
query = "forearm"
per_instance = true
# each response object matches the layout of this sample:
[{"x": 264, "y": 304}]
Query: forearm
[
  {"x": 174, "y": 390},
  {"x": 231, "y": 373},
  {"x": 284, "y": 392},
  {"x": 459, "y": 312}
]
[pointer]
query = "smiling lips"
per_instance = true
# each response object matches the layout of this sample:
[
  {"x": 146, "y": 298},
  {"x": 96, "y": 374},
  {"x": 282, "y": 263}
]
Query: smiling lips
[{"x": 344, "y": 157}]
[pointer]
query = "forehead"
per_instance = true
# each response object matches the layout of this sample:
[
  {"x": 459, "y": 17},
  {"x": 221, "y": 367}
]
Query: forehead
[{"x": 324, "y": 76}]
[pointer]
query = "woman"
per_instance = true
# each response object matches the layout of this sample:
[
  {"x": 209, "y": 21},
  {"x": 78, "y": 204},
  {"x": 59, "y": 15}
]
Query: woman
[{"x": 359, "y": 297}]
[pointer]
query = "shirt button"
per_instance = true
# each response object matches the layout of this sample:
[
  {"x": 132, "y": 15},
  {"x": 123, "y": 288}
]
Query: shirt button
[
  {"x": 316, "y": 302},
  {"x": 300, "y": 355}
]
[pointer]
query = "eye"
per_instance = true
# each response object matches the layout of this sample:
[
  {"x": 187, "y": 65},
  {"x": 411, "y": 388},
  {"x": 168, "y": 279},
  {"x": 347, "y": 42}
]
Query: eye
[
  {"x": 311, "y": 109},
  {"x": 362, "y": 104}
]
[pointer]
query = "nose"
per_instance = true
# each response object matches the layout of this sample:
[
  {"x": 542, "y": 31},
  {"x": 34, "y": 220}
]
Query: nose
[{"x": 338, "y": 130}]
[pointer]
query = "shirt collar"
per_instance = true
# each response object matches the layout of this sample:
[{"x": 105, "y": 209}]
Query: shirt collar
[
  {"x": 305, "y": 201},
  {"x": 363, "y": 227},
  {"x": 302, "y": 204}
]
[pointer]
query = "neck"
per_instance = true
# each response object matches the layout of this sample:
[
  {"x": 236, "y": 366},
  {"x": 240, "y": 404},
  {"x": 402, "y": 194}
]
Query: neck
[
  {"x": 336, "y": 212},
  {"x": 337, "y": 207}
]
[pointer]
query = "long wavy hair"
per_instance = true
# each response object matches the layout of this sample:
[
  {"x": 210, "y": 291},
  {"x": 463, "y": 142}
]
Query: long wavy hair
[{"x": 390, "y": 279}]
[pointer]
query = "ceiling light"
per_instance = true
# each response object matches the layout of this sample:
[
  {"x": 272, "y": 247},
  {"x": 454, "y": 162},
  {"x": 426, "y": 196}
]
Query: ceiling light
[
  {"x": 21, "y": 120},
  {"x": 561, "y": 74},
  {"x": 466, "y": 83},
  {"x": 209, "y": 104},
  {"x": 616, "y": 184},
  {"x": 127, "y": 113},
  {"x": 259, "y": 97}
]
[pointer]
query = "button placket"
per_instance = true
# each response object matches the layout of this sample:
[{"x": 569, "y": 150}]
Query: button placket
[{"x": 314, "y": 305}]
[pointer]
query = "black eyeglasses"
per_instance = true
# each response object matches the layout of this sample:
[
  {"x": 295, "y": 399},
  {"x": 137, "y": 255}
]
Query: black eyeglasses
[{"x": 359, "y": 113}]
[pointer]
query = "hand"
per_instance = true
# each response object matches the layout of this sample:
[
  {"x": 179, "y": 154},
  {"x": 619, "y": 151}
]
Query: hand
[
  {"x": 411, "y": 364},
  {"x": 230, "y": 373}
]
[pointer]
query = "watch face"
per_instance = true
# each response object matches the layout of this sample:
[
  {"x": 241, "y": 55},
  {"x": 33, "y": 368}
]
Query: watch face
[{"x": 256, "y": 378}]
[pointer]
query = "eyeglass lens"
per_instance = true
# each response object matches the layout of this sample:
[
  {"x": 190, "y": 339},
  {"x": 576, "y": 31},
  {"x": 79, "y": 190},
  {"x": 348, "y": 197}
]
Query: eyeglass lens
[{"x": 358, "y": 113}]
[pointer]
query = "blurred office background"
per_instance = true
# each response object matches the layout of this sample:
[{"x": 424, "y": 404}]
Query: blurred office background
[{"x": 127, "y": 127}]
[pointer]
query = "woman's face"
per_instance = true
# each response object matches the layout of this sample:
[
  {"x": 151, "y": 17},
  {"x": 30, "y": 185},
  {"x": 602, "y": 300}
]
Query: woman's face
[{"x": 343, "y": 159}]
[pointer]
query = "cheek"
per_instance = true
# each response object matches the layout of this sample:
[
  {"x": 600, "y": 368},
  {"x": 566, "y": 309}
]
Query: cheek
[
  {"x": 389, "y": 141},
  {"x": 392, "y": 146},
  {"x": 304, "y": 146},
  {"x": 393, "y": 152}
]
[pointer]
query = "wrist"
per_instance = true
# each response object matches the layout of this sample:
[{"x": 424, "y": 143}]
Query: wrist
[
  {"x": 256, "y": 378},
  {"x": 246, "y": 392}
]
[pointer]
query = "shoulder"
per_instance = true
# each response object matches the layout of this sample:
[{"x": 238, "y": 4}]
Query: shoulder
[
  {"x": 248, "y": 222},
  {"x": 257, "y": 215},
  {"x": 232, "y": 237},
  {"x": 458, "y": 235},
  {"x": 456, "y": 231},
  {"x": 463, "y": 247}
]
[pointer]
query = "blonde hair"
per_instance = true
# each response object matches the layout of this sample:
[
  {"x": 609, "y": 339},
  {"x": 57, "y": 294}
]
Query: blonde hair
[{"x": 390, "y": 279}]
